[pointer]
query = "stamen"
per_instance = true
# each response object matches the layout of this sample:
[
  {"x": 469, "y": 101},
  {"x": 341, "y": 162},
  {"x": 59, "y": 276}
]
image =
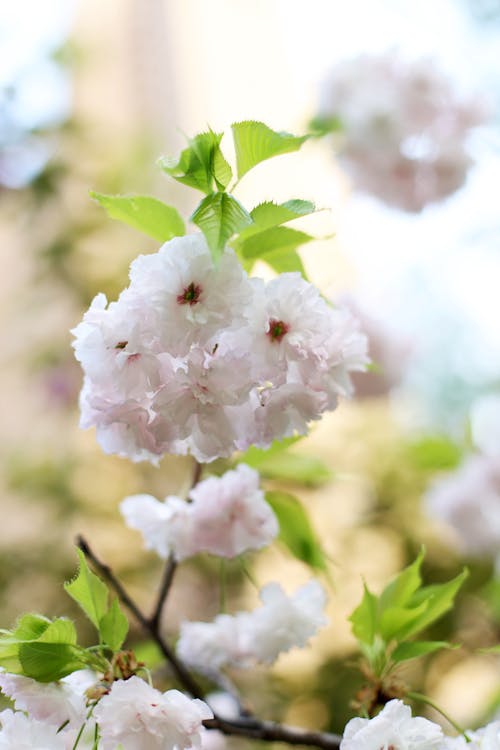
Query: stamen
[
  {"x": 190, "y": 295},
  {"x": 277, "y": 329}
]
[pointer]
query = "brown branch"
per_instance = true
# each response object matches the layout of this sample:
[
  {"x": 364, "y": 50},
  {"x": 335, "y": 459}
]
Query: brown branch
[
  {"x": 245, "y": 726},
  {"x": 168, "y": 577},
  {"x": 183, "y": 675},
  {"x": 170, "y": 568},
  {"x": 270, "y": 731}
]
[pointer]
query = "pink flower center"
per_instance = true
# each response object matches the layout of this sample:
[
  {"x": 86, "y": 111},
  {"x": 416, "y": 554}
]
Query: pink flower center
[
  {"x": 277, "y": 329},
  {"x": 190, "y": 295}
]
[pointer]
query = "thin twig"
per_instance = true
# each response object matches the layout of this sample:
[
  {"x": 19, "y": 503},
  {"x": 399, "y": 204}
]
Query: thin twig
[
  {"x": 245, "y": 726},
  {"x": 168, "y": 577},
  {"x": 170, "y": 567}
]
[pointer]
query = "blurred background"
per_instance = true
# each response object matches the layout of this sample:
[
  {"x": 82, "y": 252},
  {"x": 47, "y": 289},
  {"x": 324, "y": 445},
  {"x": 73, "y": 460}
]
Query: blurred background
[{"x": 91, "y": 94}]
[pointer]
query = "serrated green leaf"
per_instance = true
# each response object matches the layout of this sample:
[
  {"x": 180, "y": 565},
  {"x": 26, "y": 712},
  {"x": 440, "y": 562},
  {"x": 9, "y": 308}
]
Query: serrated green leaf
[
  {"x": 295, "y": 467},
  {"x": 269, "y": 214},
  {"x": 255, "y": 142},
  {"x": 29, "y": 627},
  {"x": 47, "y": 662},
  {"x": 364, "y": 618},
  {"x": 219, "y": 216},
  {"x": 296, "y": 531},
  {"x": 273, "y": 240},
  {"x": 113, "y": 627},
  {"x": 403, "y": 586},
  {"x": 149, "y": 215},
  {"x": 89, "y": 592},
  {"x": 413, "y": 649},
  {"x": 200, "y": 164},
  {"x": 60, "y": 630},
  {"x": 395, "y": 622},
  {"x": 221, "y": 170},
  {"x": 42, "y": 649},
  {"x": 439, "y": 598},
  {"x": 285, "y": 261}
]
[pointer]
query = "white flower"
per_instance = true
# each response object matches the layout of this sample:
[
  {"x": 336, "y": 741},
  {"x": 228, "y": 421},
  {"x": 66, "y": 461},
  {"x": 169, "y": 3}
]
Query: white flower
[
  {"x": 182, "y": 285},
  {"x": 18, "y": 732},
  {"x": 192, "y": 358},
  {"x": 404, "y": 128},
  {"x": 260, "y": 636},
  {"x": 284, "y": 622},
  {"x": 165, "y": 527},
  {"x": 53, "y": 702},
  {"x": 141, "y": 718},
  {"x": 230, "y": 515},
  {"x": 468, "y": 499},
  {"x": 209, "y": 646},
  {"x": 394, "y": 727}
]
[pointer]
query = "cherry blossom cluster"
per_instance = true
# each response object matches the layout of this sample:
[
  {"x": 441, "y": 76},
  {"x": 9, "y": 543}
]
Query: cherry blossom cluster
[
  {"x": 281, "y": 623},
  {"x": 194, "y": 358},
  {"x": 468, "y": 499},
  {"x": 227, "y": 516},
  {"x": 395, "y": 727},
  {"x": 404, "y": 128},
  {"x": 132, "y": 715}
]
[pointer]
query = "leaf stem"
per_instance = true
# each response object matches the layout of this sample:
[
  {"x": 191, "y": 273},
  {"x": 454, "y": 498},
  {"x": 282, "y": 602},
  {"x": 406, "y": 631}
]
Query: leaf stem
[{"x": 424, "y": 699}]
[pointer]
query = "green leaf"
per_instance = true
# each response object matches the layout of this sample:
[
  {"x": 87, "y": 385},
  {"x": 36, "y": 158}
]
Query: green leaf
[
  {"x": 434, "y": 453},
  {"x": 269, "y": 214},
  {"x": 296, "y": 531},
  {"x": 113, "y": 627},
  {"x": 254, "y": 457},
  {"x": 89, "y": 592},
  {"x": 47, "y": 662},
  {"x": 401, "y": 589},
  {"x": 395, "y": 622},
  {"x": 200, "y": 164},
  {"x": 439, "y": 598},
  {"x": 272, "y": 240},
  {"x": 364, "y": 618},
  {"x": 322, "y": 125},
  {"x": 219, "y": 216},
  {"x": 42, "y": 649},
  {"x": 410, "y": 650},
  {"x": 29, "y": 627},
  {"x": 60, "y": 630},
  {"x": 255, "y": 142},
  {"x": 294, "y": 467},
  {"x": 285, "y": 261},
  {"x": 149, "y": 215},
  {"x": 221, "y": 170}
]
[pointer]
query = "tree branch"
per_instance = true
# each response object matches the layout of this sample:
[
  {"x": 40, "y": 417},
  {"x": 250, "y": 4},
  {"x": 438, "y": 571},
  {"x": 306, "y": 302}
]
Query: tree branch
[
  {"x": 245, "y": 726},
  {"x": 170, "y": 568},
  {"x": 270, "y": 731},
  {"x": 168, "y": 577},
  {"x": 179, "y": 669}
]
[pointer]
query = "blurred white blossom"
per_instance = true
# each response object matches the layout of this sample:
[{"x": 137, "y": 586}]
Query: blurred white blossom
[
  {"x": 281, "y": 623},
  {"x": 468, "y": 499},
  {"x": 403, "y": 127}
]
